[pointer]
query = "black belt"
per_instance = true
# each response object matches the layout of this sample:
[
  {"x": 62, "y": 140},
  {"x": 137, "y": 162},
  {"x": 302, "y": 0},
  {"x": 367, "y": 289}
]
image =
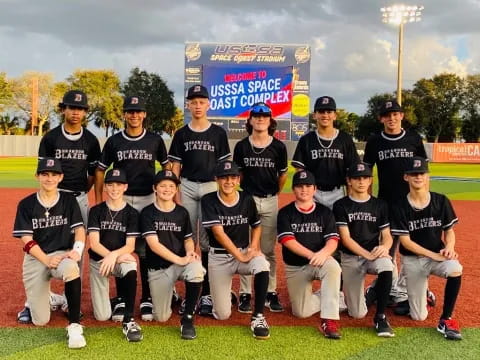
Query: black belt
[
  {"x": 265, "y": 195},
  {"x": 329, "y": 187},
  {"x": 74, "y": 193},
  {"x": 219, "y": 251},
  {"x": 199, "y": 181}
]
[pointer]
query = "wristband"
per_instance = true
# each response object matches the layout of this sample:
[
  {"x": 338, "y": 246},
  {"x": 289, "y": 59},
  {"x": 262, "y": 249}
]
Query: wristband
[
  {"x": 29, "y": 245},
  {"x": 78, "y": 246}
]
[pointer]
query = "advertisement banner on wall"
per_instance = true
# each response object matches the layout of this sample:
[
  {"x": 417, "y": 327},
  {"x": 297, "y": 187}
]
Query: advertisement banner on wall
[
  {"x": 239, "y": 75},
  {"x": 456, "y": 152}
]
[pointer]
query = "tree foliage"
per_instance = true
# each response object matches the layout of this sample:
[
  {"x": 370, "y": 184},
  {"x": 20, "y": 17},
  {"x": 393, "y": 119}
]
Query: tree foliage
[
  {"x": 5, "y": 92},
  {"x": 471, "y": 105},
  {"x": 9, "y": 125},
  {"x": 159, "y": 100},
  {"x": 175, "y": 123}
]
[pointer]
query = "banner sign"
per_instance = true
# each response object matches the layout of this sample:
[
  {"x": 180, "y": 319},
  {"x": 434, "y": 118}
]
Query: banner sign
[
  {"x": 456, "y": 152},
  {"x": 240, "y": 75}
]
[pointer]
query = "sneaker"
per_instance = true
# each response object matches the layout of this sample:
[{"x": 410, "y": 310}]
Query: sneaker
[
  {"x": 273, "y": 303},
  {"x": 57, "y": 301},
  {"x": 382, "y": 327},
  {"x": 259, "y": 327},
  {"x": 233, "y": 298},
  {"x": 402, "y": 308},
  {"x": 24, "y": 316},
  {"x": 244, "y": 306},
  {"x": 187, "y": 330},
  {"x": 342, "y": 306},
  {"x": 76, "y": 340},
  {"x": 206, "y": 306},
  {"x": 132, "y": 331},
  {"x": 330, "y": 329},
  {"x": 118, "y": 312},
  {"x": 370, "y": 296},
  {"x": 176, "y": 299},
  {"x": 450, "y": 329},
  {"x": 146, "y": 310},
  {"x": 431, "y": 299}
]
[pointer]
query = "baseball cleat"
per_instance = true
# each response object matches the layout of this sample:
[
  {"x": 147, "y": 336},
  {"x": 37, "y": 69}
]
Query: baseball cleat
[
  {"x": 431, "y": 299},
  {"x": 57, "y": 301},
  {"x": 370, "y": 296},
  {"x": 273, "y": 303},
  {"x": 146, "y": 310},
  {"x": 132, "y": 331},
  {"x": 259, "y": 327},
  {"x": 382, "y": 327},
  {"x": 24, "y": 316},
  {"x": 187, "y": 330},
  {"x": 206, "y": 306},
  {"x": 402, "y": 308},
  {"x": 342, "y": 305},
  {"x": 76, "y": 340},
  {"x": 330, "y": 329},
  {"x": 450, "y": 329},
  {"x": 244, "y": 305}
]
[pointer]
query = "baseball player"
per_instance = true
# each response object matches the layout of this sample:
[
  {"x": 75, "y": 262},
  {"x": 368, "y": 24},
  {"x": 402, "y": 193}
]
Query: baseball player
[
  {"x": 363, "y": 224},
  {"x": 424, "y": 221},
  {"x": 327, "y": 153},
  {"x": 195, "y": 150},
  {"x": 233, "y": 226},
  {"x": 50, "y": 225},
  {"x": 171, "y": 253},
  {"x": 262, "y": 160},
  {"x": 112, "y": 229},
  {"x": 307, "y": 232},
  {"x": 391, "y": 151},
  {"x": 134, "y": 150},
  {"x": 78, "y": 151}
]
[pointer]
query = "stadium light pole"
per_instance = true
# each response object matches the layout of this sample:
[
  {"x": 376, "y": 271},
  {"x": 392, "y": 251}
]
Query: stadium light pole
[{"x": 401, "y": 15}]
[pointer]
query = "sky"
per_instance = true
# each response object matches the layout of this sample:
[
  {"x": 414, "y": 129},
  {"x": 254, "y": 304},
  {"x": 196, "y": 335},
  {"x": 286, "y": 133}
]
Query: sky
[{"x": 354, "y": 54}]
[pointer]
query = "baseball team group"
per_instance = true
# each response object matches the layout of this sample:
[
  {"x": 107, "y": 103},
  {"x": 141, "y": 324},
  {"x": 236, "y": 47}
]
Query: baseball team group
[{"x": 190, "y": 222}]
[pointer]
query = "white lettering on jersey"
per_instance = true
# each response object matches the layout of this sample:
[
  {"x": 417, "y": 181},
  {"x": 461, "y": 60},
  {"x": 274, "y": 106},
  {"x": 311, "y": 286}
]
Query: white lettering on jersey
[
  {"x": 51, "y": 221},
  {"x": 166, "y": 226},
  {"x": 259, "y": 162},
  {"x": 361, "y": 216},
  {"x": 134, "y": 155},
  {"x": 233, "y": 220},
  {"x": 394, "y": 153},
  {"x": 77, "y": 154},
  {"x": 306, "y": 228},
  {"x": 199, "y": 145},
  {"x": 326, "y": 154},
  {"x": 424, "y": 223},
  {"x": 113, "y": 225}
]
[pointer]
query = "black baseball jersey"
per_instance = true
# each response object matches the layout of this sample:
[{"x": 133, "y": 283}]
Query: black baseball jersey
[
  {"x": 199, "y": 151},
  {"x": 425, "y": 226},
  {"x": 261, "y": 167},
  {"x": 113, "y": 226},
  {"x": 137, "y": 156},
  {"x": 236, "y": 219},
  {"x": 328, "y": 160},
  {"x": 365, "y": 220},
  {"x": 78, "y": 155},
  {"x": 391, "y": 153},
  {"x": 311, "y": 229},
  {"x": 51, "y": 227},
  {"x": 172, "y": 229}
]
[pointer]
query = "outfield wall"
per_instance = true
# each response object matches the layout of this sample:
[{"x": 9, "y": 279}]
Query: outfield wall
[{"x": 25, "y": 145}]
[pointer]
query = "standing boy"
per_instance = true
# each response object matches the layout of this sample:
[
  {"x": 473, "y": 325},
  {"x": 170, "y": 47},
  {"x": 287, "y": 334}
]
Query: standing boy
[
  {"x": 171, "y": 252},
  {"x": 233, "y": 227},
  {"x": 364, "y": 228},
  {"x": 195, "y": 150},
  {"x": 50, "y": 225},
  {"x": 424, "y": 222},
  {"x": 306, "y": 230},
  {"x": 262, "y": 160},
  {"x": 112, "y": 229}
]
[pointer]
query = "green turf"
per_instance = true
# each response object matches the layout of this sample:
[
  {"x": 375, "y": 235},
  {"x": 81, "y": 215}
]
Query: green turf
[{"x": 235, "y": 342}]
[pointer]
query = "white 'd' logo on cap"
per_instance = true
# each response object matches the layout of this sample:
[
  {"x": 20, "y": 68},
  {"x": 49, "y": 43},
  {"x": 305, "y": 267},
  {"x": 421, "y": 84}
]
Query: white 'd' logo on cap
[
  {"x": 360, "y": 167},
  {"x": 116, "y": 172},
  {"x": 417, "y": 163},
  {"x": 227, "y": 166},
  {"x": 168, "y": 173},
  {"x": 196, "y": 88},
  {"x": 325, "y": 101},
  {"x": 78, "y": 97},
  {"x": 303, "y": 175},
  {"x": 50, "y": 162},
  {"x": 134, "y": 101},
  {"x": 388, "y": 104}
]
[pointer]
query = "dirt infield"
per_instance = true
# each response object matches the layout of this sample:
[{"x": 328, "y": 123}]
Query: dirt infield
[{"x": 467, "y": 309}]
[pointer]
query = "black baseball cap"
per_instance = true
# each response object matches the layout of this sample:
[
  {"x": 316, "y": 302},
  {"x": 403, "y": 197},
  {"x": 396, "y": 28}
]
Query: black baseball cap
[
  {"x": 389, "y": 106},
  {"x": 197, "y": 91},
  {"x": 165, "y": 175},
  {"x": 49, "y": 164},
  {"x": 260, "y": 108},
  {"x": 75, "y": 98},
  {"x": 226, "y": 168},
  {"x": 359, "y": 169},
  {"x": 116, "y": 175},
  {"x": 325, "y": 103},
  {"x": 417, "y": 165},
  {"x": 303, "y": 177},
  {"x": 134, "y": 103}
]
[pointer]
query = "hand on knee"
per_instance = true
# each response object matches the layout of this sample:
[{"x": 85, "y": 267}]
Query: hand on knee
[{"x": 126, "y": 258}]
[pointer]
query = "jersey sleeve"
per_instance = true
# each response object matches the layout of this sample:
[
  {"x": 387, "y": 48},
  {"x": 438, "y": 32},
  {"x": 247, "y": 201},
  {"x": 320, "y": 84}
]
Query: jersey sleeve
[
  {"x": 370, "y": 156},
  {"x": 162, "y": 156},
  {"x": 45, "y": 149},
  {"x": 187, "y": 225},
  {"x": 93, "y": 156},
  {"x": 93, "y": 219},
  {"x": 330, "y": 227},
  {"x": 449, "y": 218},
  {"x": 106, "y": 158},
  {"x": 351, "y": 153},
  {"x": 223, "y": 150},
  {"x": 383, "y": 220},
  {"x": 23, "y": 221},
  {"x": 238, "y": 155},
  {"x": 282, "y": 159},
  {"x": 299, "y": 157},
  {"x": 399, "y": 222},
  {"x": 254, "y": 218},
  {"x": 284, "y": 228},
  {"x": 420, "y": 149},
  {"x": 75, "y": 213},
  {"x": 340, "y": 214},
  {"x": 147, "y": 226},
  {"x": 133, "y": 223},
  {"x": 176, "y": 151},
  {"x": 210, "y": 216}
]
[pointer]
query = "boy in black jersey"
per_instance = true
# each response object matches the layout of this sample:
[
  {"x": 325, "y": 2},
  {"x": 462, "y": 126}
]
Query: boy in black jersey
[
  {"x": 194, "y": 152},
  {"x": 233, "y": 226},
  {"x": 424, "y": 222},
  {"x": 262, "y": 160},
  {"x": 364, "y": 228},
  {"x": 171, "y": 252},
  {"x": 307, "y": 232},
  {"x": 112, "y": 229},
  {"x": 391, "y": 150},
  {"x": 50, "y": 225},
  {"x": 134, "y": 150}
]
